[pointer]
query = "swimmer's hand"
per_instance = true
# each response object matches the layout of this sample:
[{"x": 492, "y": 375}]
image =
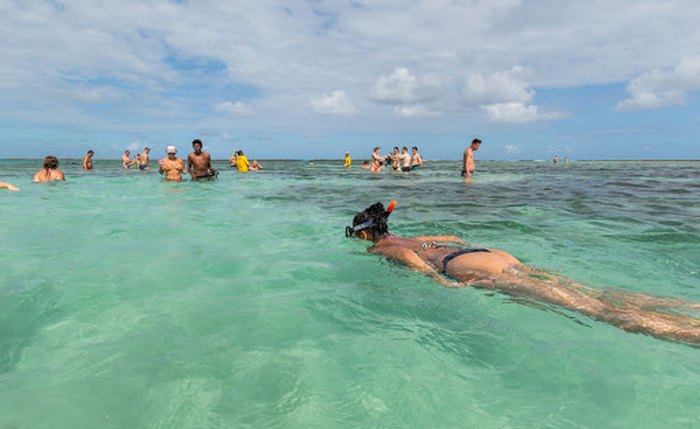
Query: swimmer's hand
[
  {"x": 446, "y": 283},
  {"x": 9, "y": 187}
]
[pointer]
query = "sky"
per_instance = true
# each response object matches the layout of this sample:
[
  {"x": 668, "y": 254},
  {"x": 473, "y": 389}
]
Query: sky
[{"x": 594, "y": 79}]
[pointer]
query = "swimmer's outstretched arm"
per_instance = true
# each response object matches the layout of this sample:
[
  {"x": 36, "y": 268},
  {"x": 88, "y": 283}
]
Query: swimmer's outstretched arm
[
  {"x": 8, "y": 186},
  {"x": 411, "y": 260},
  {"x": 445, "y": 238}
]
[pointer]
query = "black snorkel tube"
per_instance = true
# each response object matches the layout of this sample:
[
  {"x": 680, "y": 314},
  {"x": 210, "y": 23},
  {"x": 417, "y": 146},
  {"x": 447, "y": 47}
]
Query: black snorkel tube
[{"x": 352, "y": 230}]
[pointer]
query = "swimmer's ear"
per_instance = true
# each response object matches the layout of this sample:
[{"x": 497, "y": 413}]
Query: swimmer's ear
[{"x": 363, "y": 235}]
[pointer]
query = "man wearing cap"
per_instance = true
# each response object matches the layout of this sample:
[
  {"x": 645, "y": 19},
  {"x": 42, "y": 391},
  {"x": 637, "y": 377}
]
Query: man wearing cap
[
  {"x": 172, "y": 166},
  {"x": 199, "y": 163}
]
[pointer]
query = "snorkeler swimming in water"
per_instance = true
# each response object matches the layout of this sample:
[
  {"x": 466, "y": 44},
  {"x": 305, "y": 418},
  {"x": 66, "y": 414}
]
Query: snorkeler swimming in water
[{"x": 449, "y": 257}]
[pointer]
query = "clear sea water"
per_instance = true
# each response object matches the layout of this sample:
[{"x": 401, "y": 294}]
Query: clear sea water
[{"x": 129, "y": 302}]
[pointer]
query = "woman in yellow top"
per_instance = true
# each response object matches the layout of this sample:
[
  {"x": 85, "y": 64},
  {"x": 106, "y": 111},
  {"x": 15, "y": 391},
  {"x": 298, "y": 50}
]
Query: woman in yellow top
[
  {"x": 242, "y": 162},
  {"x": 348, "y": 160}
]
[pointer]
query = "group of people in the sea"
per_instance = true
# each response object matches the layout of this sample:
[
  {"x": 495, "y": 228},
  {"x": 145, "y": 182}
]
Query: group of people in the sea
[
  {"x": 239, "y": 161},
  {"x": 199, "y": 163},
  {"x": 398, "y": 161},
  {"x": 449, "y": 260},
  {"x": 173, "y": 168},
  {"x": 402, "y": 161}
]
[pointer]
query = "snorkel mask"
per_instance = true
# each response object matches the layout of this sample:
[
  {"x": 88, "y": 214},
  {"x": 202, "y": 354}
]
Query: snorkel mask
[{"x": 372, "y": 221}]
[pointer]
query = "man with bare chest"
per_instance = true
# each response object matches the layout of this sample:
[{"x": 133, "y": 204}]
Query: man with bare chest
[
  {"x": 468, "y": 164},
  {"x": 199, "y": 163}
]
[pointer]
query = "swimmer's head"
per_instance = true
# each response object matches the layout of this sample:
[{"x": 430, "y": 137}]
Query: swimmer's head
[
  {"x": 51, "y": 162},
  {"x": 371, "y": 223},
  {"x": 170, "y": 149}
]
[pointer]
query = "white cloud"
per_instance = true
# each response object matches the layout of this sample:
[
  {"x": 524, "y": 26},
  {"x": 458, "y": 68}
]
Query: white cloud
[
  {"x": 519, "y": 113},
  {"x": 498, "y": 87},
  {"x": 237, "y": 108},
  {"x": 505, "y": 96},
  {"x": 283, "y": 55},
  {"x": 663, "y": 87},
  {"x": 512, "y": 149},
  {"x": 415, "y": 111},
  {"x": 133, "y": 146},
  {"x": 403, "y": 87},
  {"x": 512, "y": 112},
  {"x": 333, "y": 103}
]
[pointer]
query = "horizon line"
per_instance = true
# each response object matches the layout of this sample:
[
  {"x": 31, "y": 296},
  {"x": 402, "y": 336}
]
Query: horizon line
[{"x": 429, "y": 160}]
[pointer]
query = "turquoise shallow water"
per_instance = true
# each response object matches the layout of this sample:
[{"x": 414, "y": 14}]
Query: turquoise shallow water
[{"x": 128, "y": 302}]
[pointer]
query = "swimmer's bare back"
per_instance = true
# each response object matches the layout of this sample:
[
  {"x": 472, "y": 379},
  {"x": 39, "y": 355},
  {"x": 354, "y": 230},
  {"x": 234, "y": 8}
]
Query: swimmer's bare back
[
  {"x": 47, "y": 175},
  {"x": 499, "y": 271}
]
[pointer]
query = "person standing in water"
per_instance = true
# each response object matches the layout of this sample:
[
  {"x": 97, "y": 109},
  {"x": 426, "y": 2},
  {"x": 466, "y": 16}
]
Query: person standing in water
[
  {"x": 468, "y": 164},
  {"x": 50, "y": 171},
  {"x": 555, "y": 159},
  {"x": 232, "y": 159},
  {"x": 454, "y": 263},
  {"x": 8, "y": 186},
  {"x": 256, "y": 166},
  {"x": 142, "y": 159},
  {"x": 377, "y": 160},
  {"x": 199, "y": 163},
  {"x": 87, "y": 160},
  {"x": 127, "y": 162},
  {"x": 405, "y": 160},
  {"x": 172, "y": 166},
  {"x": 348, "y": 160},
  {"x": 395, "y": 158},
  {"x": 416, "y": 159},
  {"x": 242, "y": 163}
]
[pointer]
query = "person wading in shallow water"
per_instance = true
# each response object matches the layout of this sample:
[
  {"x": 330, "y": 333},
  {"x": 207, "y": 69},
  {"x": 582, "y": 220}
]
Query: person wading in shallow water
[
  {"x": 50, "y": 171},
  {"x": 468, "y": 163},
  {"x": 172, "y": 166},
  {"x": 199, "y": 163},
  {"x": 454, "y": 263},
  {"x": 87, "y": 160},
  {"x": 143, "y": 160}
]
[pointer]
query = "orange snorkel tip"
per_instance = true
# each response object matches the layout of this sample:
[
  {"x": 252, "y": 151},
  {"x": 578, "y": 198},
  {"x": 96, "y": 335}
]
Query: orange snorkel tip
[{"x": 392, "y": 204}]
